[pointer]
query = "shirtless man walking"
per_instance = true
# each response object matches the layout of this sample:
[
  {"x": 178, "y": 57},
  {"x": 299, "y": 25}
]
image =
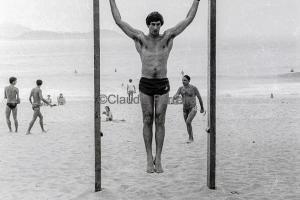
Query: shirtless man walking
[
  {"x": 36, "y": 94},
  {"x": 11, "y": 93},
  {"x": 189, "y": 94},
  {"x": 154, "y": 49},
  {"x": 130, "y": 91}
]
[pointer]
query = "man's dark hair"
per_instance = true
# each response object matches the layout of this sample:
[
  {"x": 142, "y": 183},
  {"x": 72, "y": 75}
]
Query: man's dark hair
[
  {"x": 154, "y": 17},
  {"x": 187, "y": 77},
  {"x": 12, "y": 79},
  {"x": 39, "y": 82},
  {"x": 107, "y": 108},
  {"x": 130, "y": 80}
]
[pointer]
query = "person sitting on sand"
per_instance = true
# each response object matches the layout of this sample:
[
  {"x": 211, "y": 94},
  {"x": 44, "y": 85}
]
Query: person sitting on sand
[
  {"x": 49, "y": 99},
  {"x": 11, "y": 93},
  {"x": 36, "y": 94},
  {"x": 108, "y": 114},
  {"x": 189, "y": 93},
  {"x": 61, "y": 100}
]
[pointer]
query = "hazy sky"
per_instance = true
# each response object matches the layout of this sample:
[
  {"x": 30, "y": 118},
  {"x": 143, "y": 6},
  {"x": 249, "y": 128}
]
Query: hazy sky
[
  {"x": 235, "y": 17},
  {"x": 56, "y": 15}
]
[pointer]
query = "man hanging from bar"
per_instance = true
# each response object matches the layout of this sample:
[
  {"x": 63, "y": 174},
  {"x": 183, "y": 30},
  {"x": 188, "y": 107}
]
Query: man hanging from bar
[{"x": 154, "y": 49}]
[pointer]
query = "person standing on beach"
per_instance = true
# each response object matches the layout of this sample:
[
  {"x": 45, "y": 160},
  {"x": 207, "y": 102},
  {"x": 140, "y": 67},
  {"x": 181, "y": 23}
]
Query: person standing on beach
[
  {"x": 130, "y": 91},
  {"x": 11, "y": 93},
  {"x": 189, "y": 93},
  {"x": 61, "y": 100},
  {"x": 154, "y": 49},
  {"x": 36, "y": 95}
]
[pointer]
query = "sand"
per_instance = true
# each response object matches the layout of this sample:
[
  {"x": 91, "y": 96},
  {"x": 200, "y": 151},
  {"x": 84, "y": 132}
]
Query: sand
[{"x": 257, "y": 154}]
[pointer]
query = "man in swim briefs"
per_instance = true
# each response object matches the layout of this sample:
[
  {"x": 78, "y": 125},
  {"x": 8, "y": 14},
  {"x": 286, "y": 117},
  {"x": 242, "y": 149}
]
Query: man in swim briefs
[
  {"x": 36, "y": 95},
  {"x": 154, "y": 49},
  {"x": 189, "y": 93},
  {"x": 11, "y": 93}
]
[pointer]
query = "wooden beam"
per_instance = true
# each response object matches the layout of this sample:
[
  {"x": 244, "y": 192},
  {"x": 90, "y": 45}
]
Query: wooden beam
[
  {"x": 97, "y": 120},
  {"x": 211, "y": 103}
]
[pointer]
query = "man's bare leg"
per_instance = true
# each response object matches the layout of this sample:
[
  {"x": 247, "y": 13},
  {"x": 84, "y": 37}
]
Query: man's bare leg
[
  {"x": 161, "y": 104},
  {"x": 130, "y": 97},
  {"x": 7, "y": 115},
  {"x": 147, "y": 104},
  {"x": 41, "y": 121},
  {"x": 15, "y": 114},
  {"x": 35, "y": 115},
  {"x": 188, "y": 122}
]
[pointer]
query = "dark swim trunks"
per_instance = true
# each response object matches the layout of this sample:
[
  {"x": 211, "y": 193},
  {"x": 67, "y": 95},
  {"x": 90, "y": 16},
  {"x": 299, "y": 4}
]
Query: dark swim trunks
[
  {"x": 35, "y": 107},
  {"x": 187, "y": 110},
  {"x": 12, "y": 105},
  {"x": 155, "y": 86}
]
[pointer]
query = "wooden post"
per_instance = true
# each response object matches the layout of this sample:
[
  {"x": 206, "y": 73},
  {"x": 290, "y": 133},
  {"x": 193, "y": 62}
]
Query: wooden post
[
  {"x": 97, "y": 120},
  {"x": 211, "y": 96}
]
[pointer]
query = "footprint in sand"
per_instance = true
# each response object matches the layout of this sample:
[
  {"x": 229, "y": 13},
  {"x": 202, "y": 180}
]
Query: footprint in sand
[{"x": 172, "y": 166}]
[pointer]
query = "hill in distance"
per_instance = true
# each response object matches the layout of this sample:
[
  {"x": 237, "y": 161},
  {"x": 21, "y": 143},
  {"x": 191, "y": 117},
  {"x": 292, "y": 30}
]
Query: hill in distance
[{"x": 18, "y": 32}]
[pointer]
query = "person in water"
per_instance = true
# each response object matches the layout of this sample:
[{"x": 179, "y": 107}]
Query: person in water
[{"x": 189, "y": 94}]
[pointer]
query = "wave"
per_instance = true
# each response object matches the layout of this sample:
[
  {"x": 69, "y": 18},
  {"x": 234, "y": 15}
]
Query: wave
[{"x": 291, "y": 76}]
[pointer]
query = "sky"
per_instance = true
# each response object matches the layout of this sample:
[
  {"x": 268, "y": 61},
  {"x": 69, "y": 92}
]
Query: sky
[{"x": 235, "y": 18}]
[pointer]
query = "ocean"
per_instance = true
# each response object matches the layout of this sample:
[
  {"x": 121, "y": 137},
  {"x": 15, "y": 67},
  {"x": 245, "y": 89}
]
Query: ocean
[{"x": 244, "y": 68}]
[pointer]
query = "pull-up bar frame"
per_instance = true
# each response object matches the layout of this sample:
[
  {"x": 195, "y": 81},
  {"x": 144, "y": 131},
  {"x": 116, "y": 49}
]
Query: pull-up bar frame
[
  {"x": 211, "y": 106},
  {"x": 211, "y": 96},
  {"x": 97, "y": 119}
]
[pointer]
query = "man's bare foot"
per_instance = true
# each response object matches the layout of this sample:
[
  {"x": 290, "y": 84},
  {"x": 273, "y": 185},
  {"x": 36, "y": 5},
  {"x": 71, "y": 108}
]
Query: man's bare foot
[
  {"x": 44, "y": 131},
  {"x": 150, "y": 167},
  {"x": 190, "y": 141},
  {"x": 158, "y": 167},
  {"x": 10, "y": 130},
  {"x": 28, "y": 133}
]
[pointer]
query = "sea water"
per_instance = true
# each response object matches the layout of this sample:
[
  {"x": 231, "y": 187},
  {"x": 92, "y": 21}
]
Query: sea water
[{"x": 244, "y": 68}]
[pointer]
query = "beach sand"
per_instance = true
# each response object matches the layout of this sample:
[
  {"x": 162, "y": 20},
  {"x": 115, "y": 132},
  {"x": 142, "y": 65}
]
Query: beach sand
[{"x": 257, "y": 154}]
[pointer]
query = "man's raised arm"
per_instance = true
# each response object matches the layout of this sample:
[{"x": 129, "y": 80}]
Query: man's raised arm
[
  {"x": 183, "y": 24},
  {"x": 126, "y": 28}
]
